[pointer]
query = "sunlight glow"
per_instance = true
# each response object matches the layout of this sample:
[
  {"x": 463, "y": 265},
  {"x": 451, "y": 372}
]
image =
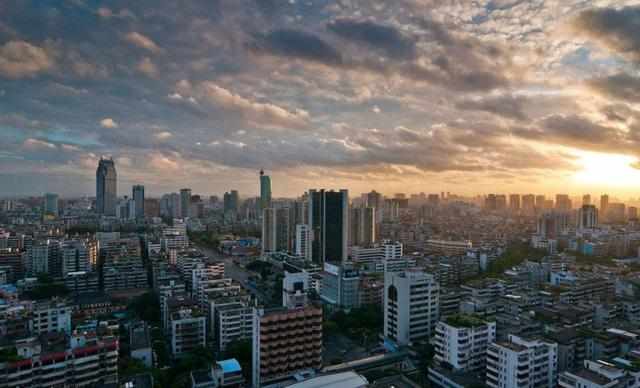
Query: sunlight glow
[{"x": 607, "y": 169}]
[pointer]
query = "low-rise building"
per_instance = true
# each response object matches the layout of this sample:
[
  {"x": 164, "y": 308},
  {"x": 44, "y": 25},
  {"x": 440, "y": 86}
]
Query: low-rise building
[{"x": 57, "y": 360}]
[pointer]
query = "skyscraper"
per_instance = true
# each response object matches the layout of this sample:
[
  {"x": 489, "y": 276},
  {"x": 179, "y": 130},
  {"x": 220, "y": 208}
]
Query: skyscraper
[
  {"x": 514, "y": 202},
  {"x": 328, "y": 218},
  {"x": 563, "y": 202},
  {"x": 587, "y": 217},
  {"x": 51, "y": 204},
  {"x": 604, "y": 204},
  {"x": 362, "y": 229},
  {"x": 268, "y": 230},
  {"x": 265, "y": 190},
  {"x": 586, "y": 199},
  {"x": 138, "y": 198},
  {"x": 374, "y": 199},
  {"x": 185, "y": 203},
  {"x": 106, "y": 187},
  {"x": 231, "y": 201}
]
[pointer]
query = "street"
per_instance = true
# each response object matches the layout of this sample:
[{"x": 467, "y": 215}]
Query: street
[{"x": 232, "y": 270}]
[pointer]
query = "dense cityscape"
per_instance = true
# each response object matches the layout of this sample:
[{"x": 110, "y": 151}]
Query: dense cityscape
[{"x": 325, "y": 289}]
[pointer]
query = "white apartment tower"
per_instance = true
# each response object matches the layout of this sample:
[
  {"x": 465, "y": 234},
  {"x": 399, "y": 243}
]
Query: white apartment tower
[
  {"x": 461, "y": 341},
  {"x": 411, "y": 306},
  {"x": 522, "y": 363},
  {"x": 303, "y": 243}
]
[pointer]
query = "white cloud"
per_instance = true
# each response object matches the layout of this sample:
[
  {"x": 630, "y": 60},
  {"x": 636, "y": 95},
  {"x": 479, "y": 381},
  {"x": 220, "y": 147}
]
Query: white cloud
[
  {"x": 141, "y": 41},
  {"x": 255, "y": 113},
  {"x": 108, "y": 123},
  {"x": 164, "y": 135},
  {"x": 35, "y": 144},
  {"x": 20, "y": 59}
]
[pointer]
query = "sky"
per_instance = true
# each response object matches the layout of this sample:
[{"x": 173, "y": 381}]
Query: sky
[{"x": 466, "y": 96}]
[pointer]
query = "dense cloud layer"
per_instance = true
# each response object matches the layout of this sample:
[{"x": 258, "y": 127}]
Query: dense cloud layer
[{"x": 357, "y": 93}]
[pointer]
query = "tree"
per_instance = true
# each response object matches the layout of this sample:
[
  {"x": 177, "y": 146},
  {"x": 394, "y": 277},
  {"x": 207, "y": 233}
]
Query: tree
[
  {"x": 242, "y": 351},
  {"x": 47, "y": 288},
  {"x": 146, "y": 307}
]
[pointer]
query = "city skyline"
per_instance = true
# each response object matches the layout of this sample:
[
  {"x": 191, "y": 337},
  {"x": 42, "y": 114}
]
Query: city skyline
[{"x": 398, "y": 96}]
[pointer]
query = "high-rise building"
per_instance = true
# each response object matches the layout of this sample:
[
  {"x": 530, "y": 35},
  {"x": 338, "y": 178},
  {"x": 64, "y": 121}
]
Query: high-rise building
[
  {"x": 51, "y": 204},
  {"x": 604, "y": 204},
  {"x": 303, "y": 241},
  {"x": 138, "y": 198},
  {"x": 522, "y": 363},
  {"x": 587, "y": 217},
  {"x": 514, "y": 202},
  {"x": 363, "y": 226},
  {"x": 275, "y": 230},
  {"x": 328, "y": 218},
  {"x": 265, "y": 190},
  {"x": 616, "y": 212},
  {"x": 374, "y": 200},
  {"x": 284, "y": 240},
  {"x": 285, "y": 342},
  {"x": 540, "y": 201},
  {"x": 78, "y": 256},
  {"x": 231, "y": 201},
  {"x": 491, "y": 202},
  {"x": 461, "y": 341},
  {"x": 185, "y": 203},
  {"x": 268, "y": 230},
  {"x": 563, "y": 202},
  {"x": 552, "y": 224},
  {"x": 586, "y": 199},
  {"x": 632, "y": 213},
  {"x": 126, "y": 209},
  {"x": 410, "y": 306},
  {"x": 340, "y": 285},
  {"x": 529, "y": 204},
  {"x": 106, "y": 187}
]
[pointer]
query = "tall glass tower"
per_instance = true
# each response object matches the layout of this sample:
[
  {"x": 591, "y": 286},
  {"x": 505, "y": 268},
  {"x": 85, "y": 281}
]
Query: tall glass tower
[
  {"x": 138, "y": 198},
  {"x": 265, "y": 191},
  {"x": 106, "y": 187},
  {"x": 329, "y": 221}
]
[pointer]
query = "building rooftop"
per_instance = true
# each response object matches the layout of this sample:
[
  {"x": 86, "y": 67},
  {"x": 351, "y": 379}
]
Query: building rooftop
[
  {"x": 512, "y": 346},
  {"x": 201, "y": 376},
  {"x": 140, "y": 338},
  {"x": 342, "y": 380},
  {"x": 592, "y": 376},
  {"x": 230, "y": 366},
  {"x": 464, "y": 320}
]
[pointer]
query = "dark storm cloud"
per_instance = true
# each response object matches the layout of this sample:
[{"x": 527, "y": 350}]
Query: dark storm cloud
[
  {"x": 616, "y": 29},
  {"x": 384, "y": 37},
  {"x": 578, "y": 132},
  {"x": 508, "y": 106},
  {"x": 620, "y": 86},
  {"x": 299, "y": 44}
]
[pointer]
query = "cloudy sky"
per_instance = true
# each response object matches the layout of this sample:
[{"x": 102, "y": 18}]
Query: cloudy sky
[{"x": 467, "y": 96}]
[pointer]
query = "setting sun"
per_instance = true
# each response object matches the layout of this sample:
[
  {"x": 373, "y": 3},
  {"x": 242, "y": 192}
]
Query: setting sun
[{"x": 607, "y": 169}]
